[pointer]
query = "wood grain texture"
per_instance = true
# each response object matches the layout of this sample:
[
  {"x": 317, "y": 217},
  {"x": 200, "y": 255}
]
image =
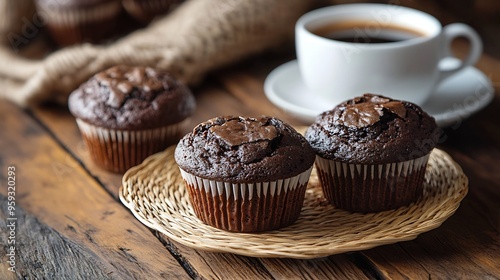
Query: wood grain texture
[
  {"x": 228, "y": 266},
  {"x": 245, "y": 83},
  {"x": 52, "y": 186},
  {"x": 58, "y": 121},
  {"x": 42, "y": 251},
  {"x": 462, "y": 240},
  {"x": 333, "y": 267},
  {"x": 208, "y": 265}
]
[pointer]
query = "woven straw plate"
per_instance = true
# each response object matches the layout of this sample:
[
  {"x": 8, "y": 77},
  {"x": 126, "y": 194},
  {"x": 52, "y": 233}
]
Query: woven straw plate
[{"x": 155, "y": 193}]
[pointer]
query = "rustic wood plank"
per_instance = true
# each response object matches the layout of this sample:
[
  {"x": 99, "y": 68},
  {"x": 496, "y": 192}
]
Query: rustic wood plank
[
  {"x": 245, "y": 82},
  {"x": 332, "y": 267},
  {"x": 228, "y": 266},
  {"x": 53, "y": 187},
  {"x": 42, "y": 251},
  {"x": 59, "y": 122},
  {"x": 248, "y": 89},
  {"x": 209, "y": 265},
  {"x": 466, "y": 242}
]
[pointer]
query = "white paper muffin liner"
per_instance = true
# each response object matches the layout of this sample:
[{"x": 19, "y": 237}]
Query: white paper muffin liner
[
  {"x": 247, "y": 207},
  {"x": 118, "y": 150},
  {"x": 371, "y": 187}
]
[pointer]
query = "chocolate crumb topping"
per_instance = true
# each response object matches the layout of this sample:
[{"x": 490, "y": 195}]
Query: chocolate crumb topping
[
  {"x": 132, "y": 97},
  {"x": 122, "y": 81},
  {"x": 243, "y": 149},
  {"x": 373, "y": 129}
]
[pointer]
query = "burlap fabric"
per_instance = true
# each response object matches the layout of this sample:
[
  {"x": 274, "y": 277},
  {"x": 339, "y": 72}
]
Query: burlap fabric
[{"x": 197, "y": 37}]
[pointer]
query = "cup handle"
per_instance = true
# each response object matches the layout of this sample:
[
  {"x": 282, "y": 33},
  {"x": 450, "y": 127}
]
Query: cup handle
[{"x": 452, "y": 31}]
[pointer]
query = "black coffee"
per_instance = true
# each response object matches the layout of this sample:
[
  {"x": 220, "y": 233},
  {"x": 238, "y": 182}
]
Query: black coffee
[{"x": 366, "y": 32}]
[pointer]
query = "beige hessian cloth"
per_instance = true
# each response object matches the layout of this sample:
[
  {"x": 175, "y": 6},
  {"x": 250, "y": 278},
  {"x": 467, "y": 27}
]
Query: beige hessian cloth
[{"x": 197, "y": 37}]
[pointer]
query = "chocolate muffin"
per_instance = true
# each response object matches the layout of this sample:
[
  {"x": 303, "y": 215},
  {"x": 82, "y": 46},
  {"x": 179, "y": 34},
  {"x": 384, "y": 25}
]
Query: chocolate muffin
[
  {"x": 76, "y": 21},
  {"x": 372, "y": 152},
  {"x": 127, "y": 113},
  {"x": 146, "y": 10},
  {"x": 245, "y": 174}
]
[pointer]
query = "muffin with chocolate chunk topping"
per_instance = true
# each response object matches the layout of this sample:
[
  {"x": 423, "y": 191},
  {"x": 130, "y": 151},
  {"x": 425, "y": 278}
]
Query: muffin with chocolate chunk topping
[
  {"x": 127, "y": 113},
  {"x": 245, "y": 174},
  {"x": 372, "y": 152}
]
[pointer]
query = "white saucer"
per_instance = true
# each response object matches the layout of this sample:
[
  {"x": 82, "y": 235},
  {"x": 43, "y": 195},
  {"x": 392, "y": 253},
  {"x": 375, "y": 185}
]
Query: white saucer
[{"x": 455, "y": 99}]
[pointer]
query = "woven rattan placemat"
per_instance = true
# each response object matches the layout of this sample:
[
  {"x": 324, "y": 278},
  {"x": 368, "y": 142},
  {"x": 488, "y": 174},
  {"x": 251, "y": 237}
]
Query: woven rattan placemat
[{"x": 155, "y": 193}]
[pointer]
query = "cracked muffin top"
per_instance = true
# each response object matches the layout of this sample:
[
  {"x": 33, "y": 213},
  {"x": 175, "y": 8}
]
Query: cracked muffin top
[
  {"x": 132, "y": 98},
  {"x": 243, "y": 149},
  {"x": 373, "y": 129}
]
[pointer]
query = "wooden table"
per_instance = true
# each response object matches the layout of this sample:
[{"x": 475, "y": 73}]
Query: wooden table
[{"x": 71, "y": 224}]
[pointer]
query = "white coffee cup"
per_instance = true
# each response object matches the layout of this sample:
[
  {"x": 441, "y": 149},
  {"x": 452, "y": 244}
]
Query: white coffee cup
[{"x": 408, "y": 69}]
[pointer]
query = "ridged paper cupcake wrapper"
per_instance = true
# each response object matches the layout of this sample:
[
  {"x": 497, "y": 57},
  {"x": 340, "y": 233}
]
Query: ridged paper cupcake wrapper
[
  {"x": 371, "y": 187},
  {"x": 73, "y": 17},
  {"x": 247, "y": 207},
  {"x": 118, "y": 150}
]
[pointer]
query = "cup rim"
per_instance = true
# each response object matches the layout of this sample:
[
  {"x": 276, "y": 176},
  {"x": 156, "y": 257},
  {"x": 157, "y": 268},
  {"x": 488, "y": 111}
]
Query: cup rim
[{"x": 325, "y": 12}]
